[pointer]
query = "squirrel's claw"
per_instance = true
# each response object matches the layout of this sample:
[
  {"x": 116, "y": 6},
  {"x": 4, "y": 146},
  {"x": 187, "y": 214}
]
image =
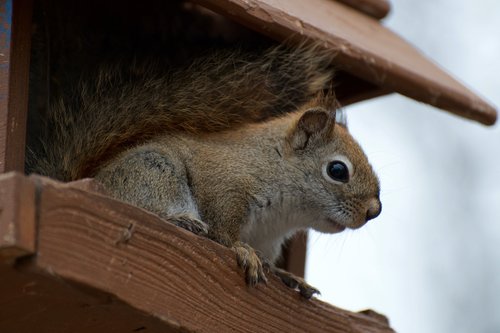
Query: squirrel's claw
[
  {"x": 307, "y": 291},
  {"x": 189, "y": 223},
  {"x": 249, "y": 260},
  {"x": 294, "y": 282},
  {"x": 254, "y": 265}
]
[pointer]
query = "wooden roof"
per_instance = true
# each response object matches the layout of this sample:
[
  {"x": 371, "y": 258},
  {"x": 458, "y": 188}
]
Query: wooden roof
[
  {"x": 362, "y": 46},
  {"x": 375, "y": 8}
]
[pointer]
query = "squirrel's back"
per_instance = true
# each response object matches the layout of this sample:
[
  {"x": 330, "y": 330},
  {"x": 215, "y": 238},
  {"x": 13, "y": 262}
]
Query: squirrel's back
[{"x": 121, "y": 105}]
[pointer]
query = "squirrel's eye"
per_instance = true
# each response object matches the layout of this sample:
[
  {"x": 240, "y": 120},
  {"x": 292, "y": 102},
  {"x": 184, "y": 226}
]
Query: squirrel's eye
[{"x": 338, "y": 171}]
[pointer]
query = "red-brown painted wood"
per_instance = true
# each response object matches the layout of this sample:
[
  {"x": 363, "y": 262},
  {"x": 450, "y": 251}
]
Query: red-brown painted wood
[{"x": 15, "y": 40}]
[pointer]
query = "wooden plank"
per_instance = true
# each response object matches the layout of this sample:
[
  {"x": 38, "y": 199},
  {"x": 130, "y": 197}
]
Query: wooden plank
[
  {"x": 15, "y": 40},
  {"x": 375, "y": 8},
  {"x": 361, "y": 46},
  {"x": 293, "y": 258},
  {"x": 351, "y": 89},
  {"x": 34, "y": 302},
  {"x": 17, "y": 216},
  {"x": 169, "y": 272}
]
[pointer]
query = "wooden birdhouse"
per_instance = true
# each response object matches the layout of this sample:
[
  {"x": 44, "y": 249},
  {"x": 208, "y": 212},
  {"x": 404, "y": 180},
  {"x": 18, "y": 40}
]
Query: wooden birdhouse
[{"x": 72, "y": 259}]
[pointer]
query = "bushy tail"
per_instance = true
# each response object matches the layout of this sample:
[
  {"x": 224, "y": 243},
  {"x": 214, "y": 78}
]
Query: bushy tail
[{"x": 117, "y": 108}]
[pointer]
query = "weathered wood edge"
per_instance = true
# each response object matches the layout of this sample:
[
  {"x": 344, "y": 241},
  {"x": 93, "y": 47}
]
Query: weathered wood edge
[
  {"x": 17, "y": 216},
  {"x": 422, "y": 81},
  {"x": 137, "y": 257},
  {"x": 15, "y": 42}
]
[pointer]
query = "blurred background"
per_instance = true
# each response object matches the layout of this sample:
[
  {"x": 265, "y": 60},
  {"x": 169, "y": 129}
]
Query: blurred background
[{"x": 431, "y": 261}]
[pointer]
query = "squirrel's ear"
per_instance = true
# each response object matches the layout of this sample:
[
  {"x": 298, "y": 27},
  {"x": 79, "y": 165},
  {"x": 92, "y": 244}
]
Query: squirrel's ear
[{"x": 314, "y": 126}]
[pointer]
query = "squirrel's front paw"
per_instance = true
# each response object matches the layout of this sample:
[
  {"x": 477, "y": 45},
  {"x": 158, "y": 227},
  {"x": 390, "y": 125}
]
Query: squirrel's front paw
[
  {"x": 190, "y": 223},
  {"x": 295, "y": 282},
  {"x": 250, "y": 261}
]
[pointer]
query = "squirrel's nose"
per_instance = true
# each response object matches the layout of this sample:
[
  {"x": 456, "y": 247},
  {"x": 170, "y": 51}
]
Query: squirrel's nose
[{"x": 374, "y": 209}]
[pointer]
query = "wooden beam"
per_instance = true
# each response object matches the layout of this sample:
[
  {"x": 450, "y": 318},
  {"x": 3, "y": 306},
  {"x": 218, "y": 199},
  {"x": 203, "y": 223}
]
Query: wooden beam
[
  {"x": 350, "y": 89},
  {"x": 32, "y": 301},
  {"x": 294, "y": 252},
  {"x": 17, "y": 216},
  {"x": 375, "y": 8},
  {"x": 15, "y": 40},
  {"x": 361, "y": 46},
  {"x": 168, "y": 272},
  {"x": 110, "y": 248}
]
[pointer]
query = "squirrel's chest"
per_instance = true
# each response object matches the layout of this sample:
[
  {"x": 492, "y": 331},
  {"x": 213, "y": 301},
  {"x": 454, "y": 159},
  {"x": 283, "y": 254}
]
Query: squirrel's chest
[{"x": 268, "y": 225}]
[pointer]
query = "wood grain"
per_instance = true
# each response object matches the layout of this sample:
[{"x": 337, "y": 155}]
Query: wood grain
[
  {"x": 17, "y": 216},
  {"x": 362, "y": 46},
  {"x": 15, "y": 40},
  {"x": 35, "y": 302},
  {"x": 375, "y": 8},
  {"x": 169, "y": 272}
]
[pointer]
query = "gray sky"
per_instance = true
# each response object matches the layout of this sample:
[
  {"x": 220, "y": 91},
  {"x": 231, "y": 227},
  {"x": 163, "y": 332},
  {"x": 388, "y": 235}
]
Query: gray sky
[{"x": 431, "y": 261}]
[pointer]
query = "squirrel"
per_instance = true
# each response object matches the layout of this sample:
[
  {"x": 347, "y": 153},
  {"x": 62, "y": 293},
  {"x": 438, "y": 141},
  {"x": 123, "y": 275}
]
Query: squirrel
[{"x": 243, "y": 149}]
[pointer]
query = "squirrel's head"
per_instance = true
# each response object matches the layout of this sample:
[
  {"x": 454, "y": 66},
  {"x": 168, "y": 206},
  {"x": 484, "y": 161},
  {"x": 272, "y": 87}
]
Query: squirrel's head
[{"x": 341, "y": 190}]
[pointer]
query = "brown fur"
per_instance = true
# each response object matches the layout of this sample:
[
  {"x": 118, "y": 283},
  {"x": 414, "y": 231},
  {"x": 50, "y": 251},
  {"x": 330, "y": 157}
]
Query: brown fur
[
  {"x": 123, "y": 107},
  {"x": 254, "y": 185}
]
